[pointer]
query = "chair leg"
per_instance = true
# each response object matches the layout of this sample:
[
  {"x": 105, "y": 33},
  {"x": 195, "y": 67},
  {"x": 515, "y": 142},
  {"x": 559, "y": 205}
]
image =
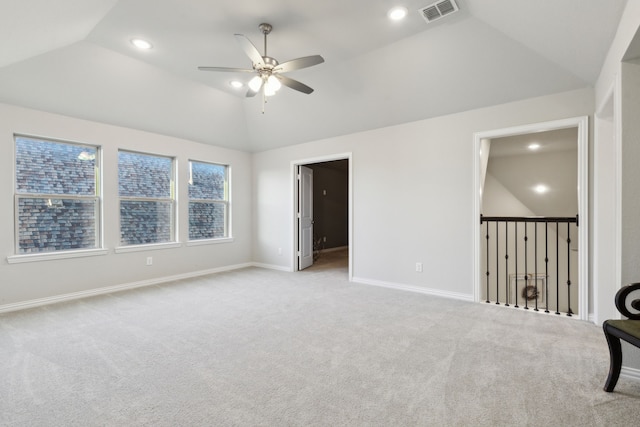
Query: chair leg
[{"x": 615, "y": 355}]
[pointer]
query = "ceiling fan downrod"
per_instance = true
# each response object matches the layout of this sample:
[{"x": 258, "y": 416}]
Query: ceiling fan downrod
[{"x": 266, "y": 29}]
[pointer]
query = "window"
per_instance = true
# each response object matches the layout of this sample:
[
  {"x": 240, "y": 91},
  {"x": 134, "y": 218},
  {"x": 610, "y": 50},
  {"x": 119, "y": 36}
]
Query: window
[
  {"x": 208, "y": 201},
  {"x": 57, "y": 202},
  {"x": 147, "y": 201}
]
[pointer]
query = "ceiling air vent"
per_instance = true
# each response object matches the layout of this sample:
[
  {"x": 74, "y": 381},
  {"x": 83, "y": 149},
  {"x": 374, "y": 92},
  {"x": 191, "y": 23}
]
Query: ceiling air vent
[{"x": 438, "y": 10}]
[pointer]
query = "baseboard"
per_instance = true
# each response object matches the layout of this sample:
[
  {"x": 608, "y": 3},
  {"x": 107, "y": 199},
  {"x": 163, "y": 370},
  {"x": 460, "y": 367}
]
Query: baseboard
[
  {"x": 271, "y": 267},
  {"x": 116, "y": 288},
  {"x": 417, "y": 289},
  {"x": 630, "y": 373}
]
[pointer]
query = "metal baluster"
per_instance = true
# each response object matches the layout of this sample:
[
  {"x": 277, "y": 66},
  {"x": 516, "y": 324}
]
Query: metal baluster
[
  {"x": 487, "y": 236},
  {"x": 506, "y": 261},
  {"x": 497, "y": 266},
  {"x": 526, "y": 270},
  {"x": 535, "y": 259},
  {"x": 516, "y": 266},
  {"x": 546, "y": 265},
  {"x": 557, "y": 269},
  {"x": 568, "y": 269}
]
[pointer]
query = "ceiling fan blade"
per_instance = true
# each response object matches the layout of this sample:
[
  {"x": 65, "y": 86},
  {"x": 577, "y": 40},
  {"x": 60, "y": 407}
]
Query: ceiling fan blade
[
  {"x": 231, "y": 70},
  {"x": 251, "y": 51},
  {"x": 294, "y": 84},
  {"x": 296, "y": 64}
]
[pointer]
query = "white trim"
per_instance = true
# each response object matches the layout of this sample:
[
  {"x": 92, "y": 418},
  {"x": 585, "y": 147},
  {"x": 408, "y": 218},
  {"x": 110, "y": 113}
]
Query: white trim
[
  {"x": 203, "y": 242},
  {"x": 607, "y": 111},
  {"x": 116, "y": 288},
  {"x": 272, "y": 267},
  {"x": 150, "y": 247},
  {"x": 416, "y": 289},
  {"x": 294, "y": 201},
  {"x": 49, "y": 256},
  {"x": 582, "y": 123},
  {"x": 630, "y": 373},
  {"x": 617, "y": 119}
]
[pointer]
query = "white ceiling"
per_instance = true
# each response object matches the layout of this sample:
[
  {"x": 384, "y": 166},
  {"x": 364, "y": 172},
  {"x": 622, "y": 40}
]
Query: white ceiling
[
  {"x": 73, "y": 57},
  {"x": 554, "y": 164}
]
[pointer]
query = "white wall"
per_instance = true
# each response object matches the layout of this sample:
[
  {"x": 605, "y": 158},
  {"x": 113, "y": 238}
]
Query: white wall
[
  {"x": 40, "y": 280},
  {"x": 412, "y": 193},
  {"x": 498, "y": 201},
  {"x": 615, "y": 148}
]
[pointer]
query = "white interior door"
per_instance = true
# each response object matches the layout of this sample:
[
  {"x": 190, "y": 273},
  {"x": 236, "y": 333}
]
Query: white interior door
[{"x": 305, "y": 217}]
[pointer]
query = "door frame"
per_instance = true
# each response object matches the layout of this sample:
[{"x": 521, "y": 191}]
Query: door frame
[
  {"x": 582, "y": 123},
  {"x": 294, "y": 203},
  {"x": 607, "y": 268}
]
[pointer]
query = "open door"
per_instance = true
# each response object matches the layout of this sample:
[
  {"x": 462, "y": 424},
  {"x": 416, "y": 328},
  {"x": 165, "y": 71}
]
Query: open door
[{"x": 305, "y": 217}]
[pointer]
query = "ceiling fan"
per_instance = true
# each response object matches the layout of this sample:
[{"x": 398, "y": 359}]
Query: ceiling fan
[{"x": 269, "y": 78}]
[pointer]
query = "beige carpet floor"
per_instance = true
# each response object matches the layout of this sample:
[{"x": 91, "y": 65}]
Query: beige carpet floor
[{"x": 256, "y": 347}]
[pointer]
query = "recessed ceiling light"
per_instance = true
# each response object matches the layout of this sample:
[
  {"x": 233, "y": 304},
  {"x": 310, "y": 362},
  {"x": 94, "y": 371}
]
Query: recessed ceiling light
[
  {"x": 236, "y": 84},
  {"x": 534, "y": 146},
  {"x": 397, "y": 13},
  {"x": 141, "y": 44},
  {"x": 541, "y": 188}
]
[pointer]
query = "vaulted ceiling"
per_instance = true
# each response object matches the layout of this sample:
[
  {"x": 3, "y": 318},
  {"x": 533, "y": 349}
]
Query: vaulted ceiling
[{"x": 74, "y": 57}]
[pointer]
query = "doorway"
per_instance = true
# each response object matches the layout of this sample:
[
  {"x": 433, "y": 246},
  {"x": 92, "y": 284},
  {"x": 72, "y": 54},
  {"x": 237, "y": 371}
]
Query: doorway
[
  {"x": 579, "y": 127},
  {"x": 322, "y": 209}
]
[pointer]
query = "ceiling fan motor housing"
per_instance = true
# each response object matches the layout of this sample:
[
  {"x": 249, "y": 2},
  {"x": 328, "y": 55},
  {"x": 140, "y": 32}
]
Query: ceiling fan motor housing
[{"x": 269, "y": 64}]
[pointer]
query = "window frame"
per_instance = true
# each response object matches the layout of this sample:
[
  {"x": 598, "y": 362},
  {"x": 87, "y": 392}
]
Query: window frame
[
  {"x": 96, "y": 198},
  {"x": 173, "y": 199},
  {"x": 226, "y": 202}
]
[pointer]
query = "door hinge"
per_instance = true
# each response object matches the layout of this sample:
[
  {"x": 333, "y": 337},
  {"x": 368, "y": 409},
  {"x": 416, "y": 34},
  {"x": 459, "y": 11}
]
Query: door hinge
[
  {"x": 299, "y": 254},
  {"x": 299, "y": 177}
]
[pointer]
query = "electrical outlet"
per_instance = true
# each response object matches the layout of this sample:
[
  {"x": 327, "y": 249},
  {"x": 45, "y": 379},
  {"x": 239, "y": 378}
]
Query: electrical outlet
[
  {"x": 419, "y": 267},
  {"x": 280, "y": 251},
  {"x": 149, "y": 260},
  {"x": 324, "y": 239}
]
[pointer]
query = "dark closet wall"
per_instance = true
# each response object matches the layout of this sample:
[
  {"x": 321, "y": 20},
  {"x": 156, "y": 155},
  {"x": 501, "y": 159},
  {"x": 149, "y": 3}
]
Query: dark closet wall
[{"x": 331, "y": 203}]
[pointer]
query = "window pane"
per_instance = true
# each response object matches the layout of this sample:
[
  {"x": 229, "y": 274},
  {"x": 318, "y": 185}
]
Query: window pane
[
  {"x": 143, "y": 175},
  {"x": 46, "y": 225},
  {"x": 143, "y": 222},
  {"x": 206, "y": 220},
  {"x": 206, "y": 181},
  {"x": 46, "y": 167}
]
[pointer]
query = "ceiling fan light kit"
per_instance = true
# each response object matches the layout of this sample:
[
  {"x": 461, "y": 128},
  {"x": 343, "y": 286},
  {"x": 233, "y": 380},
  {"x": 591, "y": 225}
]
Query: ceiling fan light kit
[{"x": 268, "y": 78}]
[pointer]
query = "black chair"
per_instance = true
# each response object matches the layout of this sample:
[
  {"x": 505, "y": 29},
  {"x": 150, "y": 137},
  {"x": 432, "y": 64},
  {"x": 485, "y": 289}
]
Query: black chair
[{"x": 627, "y": 303}]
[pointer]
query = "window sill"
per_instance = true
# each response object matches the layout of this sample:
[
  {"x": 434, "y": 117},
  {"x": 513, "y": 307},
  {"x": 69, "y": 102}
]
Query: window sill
[
  {"x": 209, "y": 241},
  {"x": 149, "y": 247},
  {"x": 17, "y": 259}
]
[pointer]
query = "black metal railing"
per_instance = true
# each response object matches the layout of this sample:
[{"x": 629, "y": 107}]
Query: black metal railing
[{"x": 530, "y": 275}]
